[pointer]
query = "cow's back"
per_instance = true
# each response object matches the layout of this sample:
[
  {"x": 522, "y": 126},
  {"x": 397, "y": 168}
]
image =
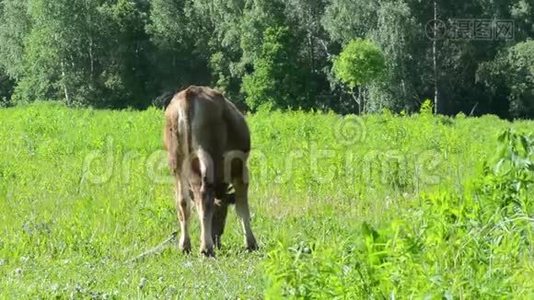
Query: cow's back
[{"x": 214, "y": 115}]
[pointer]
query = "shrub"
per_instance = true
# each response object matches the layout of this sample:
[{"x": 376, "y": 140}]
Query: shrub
[{"x": 443, "y": 246}]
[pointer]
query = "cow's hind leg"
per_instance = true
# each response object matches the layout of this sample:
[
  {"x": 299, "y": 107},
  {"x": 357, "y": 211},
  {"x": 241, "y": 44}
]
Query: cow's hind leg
[
  {"x": 183, "y": 210},
  {"x": 242, "y": 209}
]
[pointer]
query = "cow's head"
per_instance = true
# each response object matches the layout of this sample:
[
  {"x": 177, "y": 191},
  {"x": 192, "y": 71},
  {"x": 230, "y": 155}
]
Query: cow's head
[{"x": 219, "y": 216}]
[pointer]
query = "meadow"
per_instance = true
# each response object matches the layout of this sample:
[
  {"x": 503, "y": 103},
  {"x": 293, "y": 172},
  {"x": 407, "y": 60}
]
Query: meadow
[{"x": 378, "y": 206}]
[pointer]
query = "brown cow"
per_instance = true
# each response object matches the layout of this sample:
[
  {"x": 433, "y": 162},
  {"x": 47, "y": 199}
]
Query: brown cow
[{"x": 208, "y": 143}]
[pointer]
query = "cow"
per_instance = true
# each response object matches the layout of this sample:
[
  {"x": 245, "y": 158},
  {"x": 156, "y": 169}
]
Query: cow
[{"x": 208, "y": 143}]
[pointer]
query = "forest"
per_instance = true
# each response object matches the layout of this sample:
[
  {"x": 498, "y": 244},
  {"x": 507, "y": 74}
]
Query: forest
[{"x": 345, "y": 56}]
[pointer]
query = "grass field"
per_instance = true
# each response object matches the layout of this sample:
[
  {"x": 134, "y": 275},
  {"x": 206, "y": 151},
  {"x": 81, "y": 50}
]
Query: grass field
[{"x": 381, "y": 206}]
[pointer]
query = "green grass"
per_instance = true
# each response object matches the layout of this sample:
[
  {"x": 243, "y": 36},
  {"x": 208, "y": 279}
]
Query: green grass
[{"x": 343, "y": 207}]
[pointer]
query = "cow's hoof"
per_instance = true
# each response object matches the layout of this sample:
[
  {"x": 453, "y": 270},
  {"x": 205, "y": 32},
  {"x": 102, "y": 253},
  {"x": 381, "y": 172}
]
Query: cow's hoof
[
  {"x": 207, "y": 252},
  {"x": 185, "y": 246},
  {"x": 250, "y": 243},
  {"x": 252, "y": 247}
]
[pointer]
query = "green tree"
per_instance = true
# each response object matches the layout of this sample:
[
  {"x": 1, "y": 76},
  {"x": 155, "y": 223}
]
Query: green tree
[
  {"x": 224, "y": 42},
  {"x": 521, "y": 79},
  {"x": 394, "y": 35},
  {"x": 6, "y": 89},
  {"x": 237, "y": 37},
  {"x": 40, "y": 55},
  {"x": 58, "y": 56},
  {"x": 117, "y": 53},
  {"x": 125, "y": 68},
  {"x": 275, "y": 80},
  {"x": 15, "y": 26},
  {"x": 391, "y": 26},
  {"x": 510, "y": 78},
  {"x": 6, "y": 84},
  {"x": 459, "y": 57},
  {"x": 359, "y": 64},
  {"x": 345, "y": 20},
  {"x": 84, "y": 52},
  {"x": 311, "y": 40},
  {"x": 180, "y": 36}
]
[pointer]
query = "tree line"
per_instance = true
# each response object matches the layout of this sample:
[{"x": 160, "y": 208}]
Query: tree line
[{"x": 469, "y": 56}]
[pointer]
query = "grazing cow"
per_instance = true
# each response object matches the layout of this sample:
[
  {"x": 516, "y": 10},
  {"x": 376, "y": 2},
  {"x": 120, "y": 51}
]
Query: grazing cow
[{"x": 208, "y": 142}]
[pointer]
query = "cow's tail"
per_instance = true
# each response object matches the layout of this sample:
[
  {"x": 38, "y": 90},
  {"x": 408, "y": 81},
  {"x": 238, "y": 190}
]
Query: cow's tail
[{"x": 185, "y": 123}]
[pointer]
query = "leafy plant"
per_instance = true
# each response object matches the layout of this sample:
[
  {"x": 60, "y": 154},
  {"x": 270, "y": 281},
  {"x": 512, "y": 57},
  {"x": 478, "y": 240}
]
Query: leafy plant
[
  {"x": 444, "y": 245},
  {"x": 360, "y": 63}
]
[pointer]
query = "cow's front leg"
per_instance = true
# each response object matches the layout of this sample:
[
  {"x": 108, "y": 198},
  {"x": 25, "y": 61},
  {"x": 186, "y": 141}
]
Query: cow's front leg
[
  {"x": 205, "y": 208},
  {"x": 205, "y": 202},
  {"x": 183, "y": 210}
]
